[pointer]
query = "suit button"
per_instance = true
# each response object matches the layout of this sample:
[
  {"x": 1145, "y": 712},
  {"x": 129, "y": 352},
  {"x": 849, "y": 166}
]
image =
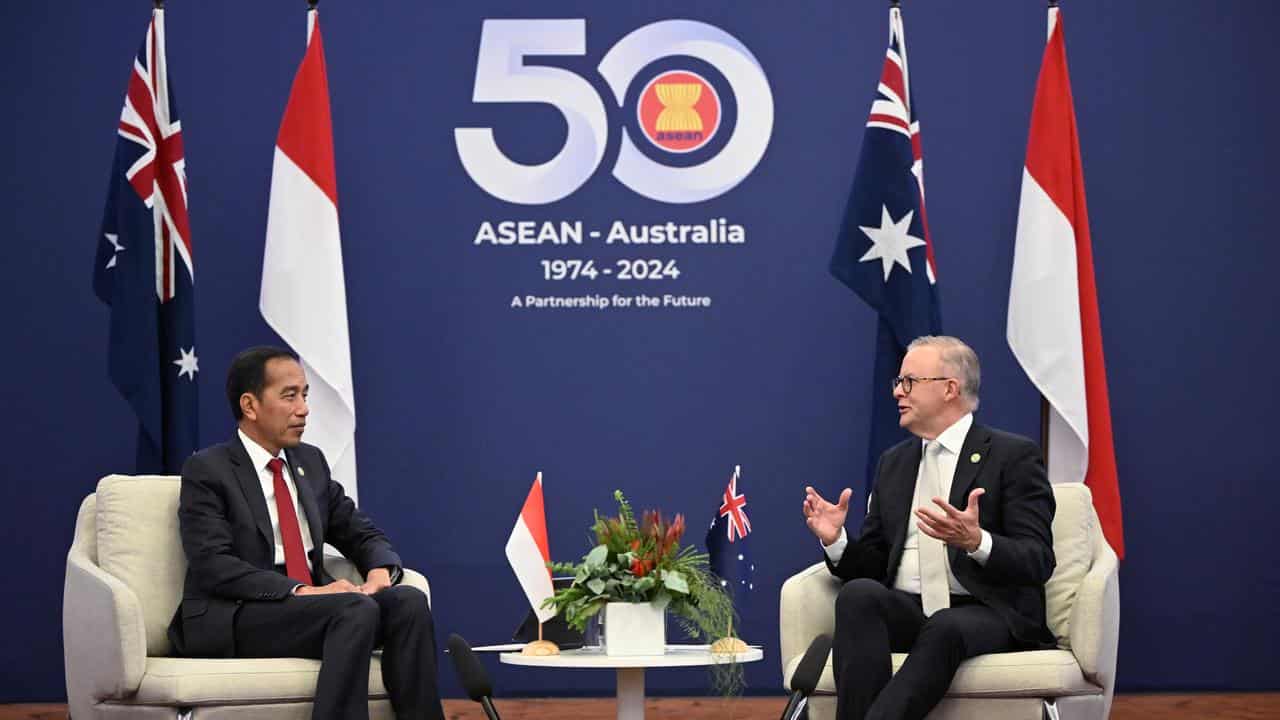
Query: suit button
[{"x": 239, "y": 602}]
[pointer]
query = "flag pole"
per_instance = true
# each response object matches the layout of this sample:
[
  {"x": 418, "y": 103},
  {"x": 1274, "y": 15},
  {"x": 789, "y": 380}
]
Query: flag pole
[
  {"x": 312, "y": 11},
  {"x": 1044, "y": 429},
  {"x": 1044, "y": 401}
]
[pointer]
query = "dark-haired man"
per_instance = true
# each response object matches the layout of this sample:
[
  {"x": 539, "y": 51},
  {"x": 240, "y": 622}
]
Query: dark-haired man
[
  {"x": 254, "y": 515},
  {"x": 954, "y": 551}
]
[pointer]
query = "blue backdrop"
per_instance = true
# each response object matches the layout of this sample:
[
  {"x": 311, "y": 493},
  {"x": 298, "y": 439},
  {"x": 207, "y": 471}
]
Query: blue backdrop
[{"x": 461, "y": 398}]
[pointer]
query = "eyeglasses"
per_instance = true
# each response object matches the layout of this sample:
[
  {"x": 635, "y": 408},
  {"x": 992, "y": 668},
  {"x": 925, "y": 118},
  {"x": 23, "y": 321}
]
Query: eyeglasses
[{"x": 906, "y": 381}]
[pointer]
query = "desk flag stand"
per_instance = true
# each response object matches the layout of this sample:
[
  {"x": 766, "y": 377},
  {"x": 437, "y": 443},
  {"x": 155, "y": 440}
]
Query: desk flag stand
[
  {"x": 729, "y": 645},
  {"x": 540, "y": 647}
]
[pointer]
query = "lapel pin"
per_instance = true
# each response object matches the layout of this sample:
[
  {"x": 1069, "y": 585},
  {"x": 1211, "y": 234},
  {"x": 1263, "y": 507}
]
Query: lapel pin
[
  {"x": 304, "y": 472},
  {"x": 972, "y": 458}
]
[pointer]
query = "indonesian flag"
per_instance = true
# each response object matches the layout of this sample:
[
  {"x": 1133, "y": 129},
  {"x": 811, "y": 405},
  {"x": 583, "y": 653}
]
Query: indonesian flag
[
  {"x": 1054, "y": 330},
  {"x": 529, "y": 553},
  {"x": 304, "y": 295}
]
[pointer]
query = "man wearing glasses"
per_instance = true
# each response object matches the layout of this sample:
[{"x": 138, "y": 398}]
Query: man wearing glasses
[{"x": 954, "y": 550}]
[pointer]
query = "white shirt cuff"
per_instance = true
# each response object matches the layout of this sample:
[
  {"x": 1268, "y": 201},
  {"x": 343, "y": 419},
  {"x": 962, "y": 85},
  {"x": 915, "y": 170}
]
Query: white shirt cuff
[
  {"x": 984, "y": 549},
  {"x": 835, "y": 550}
]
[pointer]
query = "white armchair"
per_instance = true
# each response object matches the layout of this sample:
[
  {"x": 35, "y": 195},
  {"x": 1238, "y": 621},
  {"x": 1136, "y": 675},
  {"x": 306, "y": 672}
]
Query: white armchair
[
  {"x": 1082, "y": 600},
  {"x": 124, "y": 580}
]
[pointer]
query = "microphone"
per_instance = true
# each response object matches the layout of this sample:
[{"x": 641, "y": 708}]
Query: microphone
[
  {"x": 472, "y": 675},
  {"x": 805, "y": 678}
]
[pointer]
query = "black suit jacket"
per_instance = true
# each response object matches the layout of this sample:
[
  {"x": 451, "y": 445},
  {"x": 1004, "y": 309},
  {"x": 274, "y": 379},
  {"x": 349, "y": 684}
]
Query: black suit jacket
[
  {"x": 230, "y": 546},
  {"x": 1017, "y": 510}
]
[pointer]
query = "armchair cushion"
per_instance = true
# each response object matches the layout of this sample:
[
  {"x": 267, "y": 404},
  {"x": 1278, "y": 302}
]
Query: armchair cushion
[
  {"x": 1051, "y": 673},
  {"x": 237, "y": 681},
  {"x": 138, "y": 544}
]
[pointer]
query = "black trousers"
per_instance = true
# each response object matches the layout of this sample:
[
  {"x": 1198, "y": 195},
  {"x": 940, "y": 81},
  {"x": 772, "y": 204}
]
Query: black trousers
[
  {"x": 341, "y": 630},
  {"x": 872, "y": 621}
]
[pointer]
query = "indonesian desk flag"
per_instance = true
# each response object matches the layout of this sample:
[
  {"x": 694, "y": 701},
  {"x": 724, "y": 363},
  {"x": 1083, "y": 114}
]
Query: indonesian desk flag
[
  {"x": 304, "y": 295},
  {"x": 528, "y": 552},
  {"x": 1054, "y": 329}
]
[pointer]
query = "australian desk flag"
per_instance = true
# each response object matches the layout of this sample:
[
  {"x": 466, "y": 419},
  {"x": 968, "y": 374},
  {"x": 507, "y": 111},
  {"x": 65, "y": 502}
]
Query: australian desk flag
[
  {"x": 727, "y": 547},
  {"x": 884, "y": 252},
  {"x": 143, "y": 268}
]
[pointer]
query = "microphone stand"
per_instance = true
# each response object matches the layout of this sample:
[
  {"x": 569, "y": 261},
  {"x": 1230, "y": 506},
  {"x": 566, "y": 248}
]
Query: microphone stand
[{"x": 795, "y": 705}]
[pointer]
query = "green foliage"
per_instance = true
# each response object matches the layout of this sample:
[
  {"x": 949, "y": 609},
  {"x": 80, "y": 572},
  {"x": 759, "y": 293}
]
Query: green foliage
[{"x": 644, "y": 562}]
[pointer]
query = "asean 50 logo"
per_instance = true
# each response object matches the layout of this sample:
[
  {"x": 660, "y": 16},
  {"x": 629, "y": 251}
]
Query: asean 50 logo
[{"x": 679, "y": 111}]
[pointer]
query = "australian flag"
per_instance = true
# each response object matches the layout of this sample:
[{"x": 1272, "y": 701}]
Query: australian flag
[
  {"x": 884, "y": 252},
  {"x": 143, "y": 268},
  {"x": 727, "y": 547}
]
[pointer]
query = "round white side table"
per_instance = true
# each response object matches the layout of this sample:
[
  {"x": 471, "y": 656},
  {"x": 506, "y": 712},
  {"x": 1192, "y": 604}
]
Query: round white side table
[{"x": 630, "y": 669}]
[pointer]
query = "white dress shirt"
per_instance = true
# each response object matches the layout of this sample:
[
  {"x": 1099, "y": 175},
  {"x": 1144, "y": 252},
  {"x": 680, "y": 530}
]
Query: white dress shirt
[
  {"x": 951, "y": 441},
  {"x": 260, "y": 457}
]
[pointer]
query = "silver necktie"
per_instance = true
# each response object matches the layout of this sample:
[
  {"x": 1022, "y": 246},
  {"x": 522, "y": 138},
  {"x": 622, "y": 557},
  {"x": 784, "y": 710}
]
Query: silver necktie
[{"x": 935, "y": 590}]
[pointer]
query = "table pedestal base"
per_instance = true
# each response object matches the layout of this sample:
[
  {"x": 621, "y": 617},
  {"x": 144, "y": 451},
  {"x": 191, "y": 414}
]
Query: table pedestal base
[{"x": 630, "y": 693}]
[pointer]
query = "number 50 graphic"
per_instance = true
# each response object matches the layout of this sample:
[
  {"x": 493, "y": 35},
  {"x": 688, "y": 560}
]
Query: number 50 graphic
[{"x": 502, "y": 76}]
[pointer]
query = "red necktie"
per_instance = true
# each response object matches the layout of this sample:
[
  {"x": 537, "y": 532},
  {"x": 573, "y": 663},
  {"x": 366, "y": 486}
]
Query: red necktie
[{"x": 295, "y": 558}]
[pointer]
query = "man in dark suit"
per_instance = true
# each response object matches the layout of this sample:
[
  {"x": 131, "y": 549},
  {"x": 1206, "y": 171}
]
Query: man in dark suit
[
  {"x": 924, "y": 576},
  {"x": 254, "y": 515}
]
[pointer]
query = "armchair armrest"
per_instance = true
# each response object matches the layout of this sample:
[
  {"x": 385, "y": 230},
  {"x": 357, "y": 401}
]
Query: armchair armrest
[
  {"x": 416, "y": 579},
  {"x": 807, "y": 609},
  {"x": 1095, "y": 618},
  {"x": 103, "y": 634}
]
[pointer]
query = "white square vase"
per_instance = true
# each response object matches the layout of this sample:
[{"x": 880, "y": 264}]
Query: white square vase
[{"x": 635, "y": 629}]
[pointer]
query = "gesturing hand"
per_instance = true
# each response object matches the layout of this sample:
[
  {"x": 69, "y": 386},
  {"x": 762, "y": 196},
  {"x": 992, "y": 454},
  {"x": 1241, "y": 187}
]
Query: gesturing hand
[
  {"x": 823, "y": 518},
  {"x": 952, "y": 526}
]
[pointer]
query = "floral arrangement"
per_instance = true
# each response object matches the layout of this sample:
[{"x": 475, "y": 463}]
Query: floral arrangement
[{"x": 644, "y": 562}]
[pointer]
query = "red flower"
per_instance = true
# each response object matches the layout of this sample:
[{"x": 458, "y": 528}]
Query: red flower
[
  {"x": 638, "y": 568},
  {"x": 675, "y": 530}
]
